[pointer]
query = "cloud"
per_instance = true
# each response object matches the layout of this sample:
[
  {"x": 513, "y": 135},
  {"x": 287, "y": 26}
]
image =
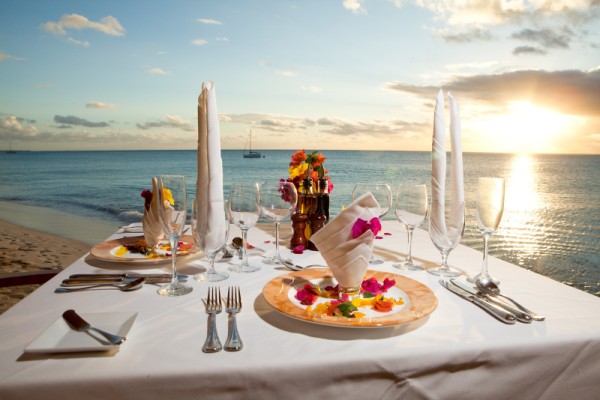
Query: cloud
[
  {"x": 276, "y": 123},
  {"x": 208, "y": 21},
  {"x": 199, "y": 42},
  {"x": 156, "y": 71},
  {"x": 546, "y": 38},
  {"x": 312, "y": 89},
  {"x": 354, "y": 5},
  {"x": 572, "y": 92},
  {"x": 288, "y": 73},
  {"x": 528, "y": 50},
  {"x": 100, "y": 105},
  {"x": 170, "y": 121},
  {"x": 72, "y": 120},
  {"x": 465, "y": 36},
  {"x": 108, "y": 25},
  {"x": 7, "y": 57},
  {"x": 12, "y": 128}
]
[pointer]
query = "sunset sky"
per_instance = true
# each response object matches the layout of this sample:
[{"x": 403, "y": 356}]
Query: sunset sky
[{"x": 335, "y": 74}]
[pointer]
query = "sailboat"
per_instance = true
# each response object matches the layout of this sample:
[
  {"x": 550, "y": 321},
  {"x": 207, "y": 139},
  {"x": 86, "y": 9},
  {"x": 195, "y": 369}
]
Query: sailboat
[
  {"x": 250, "y": 153},
  {"x": 10, "y": 150}
]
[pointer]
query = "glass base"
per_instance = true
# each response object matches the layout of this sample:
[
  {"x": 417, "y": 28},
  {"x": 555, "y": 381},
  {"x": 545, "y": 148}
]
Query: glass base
[
  {"x": 211, "y": 276},
  {"x": 376, "y": 261},
  {"x": 444, "y": 272},
  {"x": 275, "y": 260},
  {"x": 409, "y": 265},
  {"x": 173, "y": 290},
  {"x": 472, "y": 279},
  {"x": 244, "y": 268}
]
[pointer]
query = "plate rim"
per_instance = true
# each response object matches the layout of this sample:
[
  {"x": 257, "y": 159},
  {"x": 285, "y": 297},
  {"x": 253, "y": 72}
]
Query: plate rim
[
  {"x": 101, "y": 251},
  {"x": 276, "y": 293}
]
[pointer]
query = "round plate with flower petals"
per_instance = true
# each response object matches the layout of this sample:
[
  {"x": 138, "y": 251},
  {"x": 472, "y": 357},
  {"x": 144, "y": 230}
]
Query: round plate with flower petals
[
  {"x": 112, "y": 250},
  {"x": 418, "y": 300}
]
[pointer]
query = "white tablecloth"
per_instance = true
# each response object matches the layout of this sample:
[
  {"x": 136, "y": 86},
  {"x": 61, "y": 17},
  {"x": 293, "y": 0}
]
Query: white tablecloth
[{"x": 458, "y": 352}]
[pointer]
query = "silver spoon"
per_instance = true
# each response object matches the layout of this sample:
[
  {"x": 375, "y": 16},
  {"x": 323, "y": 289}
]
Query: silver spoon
[
  {"x": 490, "y": 288},
  {"x": 129, "y": 286},
  {"x": 295, "y": 267}
]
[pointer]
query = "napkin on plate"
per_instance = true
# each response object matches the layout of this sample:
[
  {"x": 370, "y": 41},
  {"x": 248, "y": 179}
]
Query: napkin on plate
[
  {"x": 151, "y": 225},
  {"x": 348, "y": 258},
  {"x": 209, "y": 185},
  {"x": 438, "y": 169}
]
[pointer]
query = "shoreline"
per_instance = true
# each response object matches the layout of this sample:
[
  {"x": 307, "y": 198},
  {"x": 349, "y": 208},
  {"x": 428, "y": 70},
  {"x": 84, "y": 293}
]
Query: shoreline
[{"x": 38, "y": 238}]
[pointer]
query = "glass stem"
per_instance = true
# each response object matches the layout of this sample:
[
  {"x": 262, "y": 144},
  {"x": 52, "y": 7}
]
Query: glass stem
[
  {"x": 486, "y": 242},
  {"x": 277, "y": 256},
  {"x": 174, "y": 240},
  {"x": 211, "y": 265},
  {"x": 244, "y": 249},
  {"x": 410, "y": 235},
  {"x": 444, "y": 266}
]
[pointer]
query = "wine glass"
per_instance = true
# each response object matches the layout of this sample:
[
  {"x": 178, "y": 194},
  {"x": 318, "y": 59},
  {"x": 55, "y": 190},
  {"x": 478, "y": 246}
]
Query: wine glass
[
  {"x": 490, "y": 206},
  {"x": 210, "y": 236},
  {"x": 172, "y": 211},
  {"x": 277, "y": 201},
  {"x": 383, "y": 194},
  {"x": 411, "y": 210},
  {"x": 446, "y": 240},
  {"x": 244, "y": 210}
]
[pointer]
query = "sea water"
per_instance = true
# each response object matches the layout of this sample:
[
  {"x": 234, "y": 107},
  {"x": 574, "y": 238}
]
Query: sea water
[{"x": 551, "y": 221}]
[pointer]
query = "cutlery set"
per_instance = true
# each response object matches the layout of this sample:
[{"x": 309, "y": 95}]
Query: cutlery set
[
  {"x": 124, "y": 282},
  {"x": 214, "y": 306},
  {"x": 502, "y": 308}
]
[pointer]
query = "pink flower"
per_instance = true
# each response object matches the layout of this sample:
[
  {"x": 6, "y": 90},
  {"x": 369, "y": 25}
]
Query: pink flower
[
  {"x": 361, "y": 226},
  {"x": 372, "y": 286},
  {"x": 147, "y": 195},
  {"x": 298, "y": 249}
]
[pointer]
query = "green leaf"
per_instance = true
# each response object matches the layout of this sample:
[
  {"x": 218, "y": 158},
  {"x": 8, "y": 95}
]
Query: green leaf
[
  {"x": 347, "y": 309},
  {"x": 368, "y": 295}
]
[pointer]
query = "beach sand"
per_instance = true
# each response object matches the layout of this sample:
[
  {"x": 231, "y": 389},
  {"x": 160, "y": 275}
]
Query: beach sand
[{"x": 26, "y": 243}]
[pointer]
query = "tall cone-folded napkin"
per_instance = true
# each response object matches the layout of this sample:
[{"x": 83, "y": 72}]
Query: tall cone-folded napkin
[
  {"x": 438, "y": 171},
  {"x": 209, "y": 185},
  {"x": 153, "y": 230},
  {"x": 348, "y": 257}
]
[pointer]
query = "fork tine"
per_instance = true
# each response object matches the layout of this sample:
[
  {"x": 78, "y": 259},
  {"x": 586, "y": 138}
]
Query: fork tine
[
  {"x": 220, "y": 304},
  {"x": 230, "y": 298},
  {"x": 238, "y": 298}
]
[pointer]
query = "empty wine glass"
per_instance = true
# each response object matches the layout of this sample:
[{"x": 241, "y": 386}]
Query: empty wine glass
[
  {"x": 446, "y": 239},
  {"x": 172, "y": 210},
  {"x": 244, "y": 210},
  {"x": 383, "y": 194},
  {"x": 278, "y": 201},
  {"x": 210, "y": 236},
  {"x": 411, "y": 210},
  {"x": 490, "y": 207}
]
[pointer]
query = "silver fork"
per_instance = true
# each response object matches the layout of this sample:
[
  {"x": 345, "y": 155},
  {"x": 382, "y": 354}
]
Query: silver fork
[
  {"x": 233, "y": 306},
  {"x": 214, "y": 306}
]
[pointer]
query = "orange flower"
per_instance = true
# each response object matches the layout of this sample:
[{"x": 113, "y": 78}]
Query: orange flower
[
  {"x": 319, "y": 160},
  {"x": 298, "y": 157}
]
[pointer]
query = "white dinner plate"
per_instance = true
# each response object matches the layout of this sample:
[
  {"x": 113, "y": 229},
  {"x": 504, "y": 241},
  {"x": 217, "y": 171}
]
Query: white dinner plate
[
  {"x": 107, "y": 251},
  {"x": 60, "y": 338}
]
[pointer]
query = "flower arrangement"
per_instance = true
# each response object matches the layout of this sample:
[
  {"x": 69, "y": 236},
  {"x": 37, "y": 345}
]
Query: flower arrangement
[{"x": 310, "y": 165}]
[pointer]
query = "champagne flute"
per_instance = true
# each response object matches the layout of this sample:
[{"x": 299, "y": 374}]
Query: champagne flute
[
  {"x": 277, "y": 201},
  {"x": 172, "y": 210},
  {"x": 244, "y": 210},
  {"x": 383, "y": 195},
  {"x": 490, "y": 207},
  {"x": 446, "y": 241},
  {"x": 411, "y": 210},
  {"x": 210, "y": 236}
]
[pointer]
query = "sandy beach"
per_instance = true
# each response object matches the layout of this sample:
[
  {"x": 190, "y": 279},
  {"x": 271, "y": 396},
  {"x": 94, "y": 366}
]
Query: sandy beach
[{"x": 37, "y": 238}]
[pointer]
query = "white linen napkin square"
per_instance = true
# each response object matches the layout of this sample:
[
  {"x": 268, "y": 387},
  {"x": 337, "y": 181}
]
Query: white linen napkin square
[
  {"x": 438, "y": 169},
  {"x": 348, "y": 258},
  {"x": 209, "y": 184}
]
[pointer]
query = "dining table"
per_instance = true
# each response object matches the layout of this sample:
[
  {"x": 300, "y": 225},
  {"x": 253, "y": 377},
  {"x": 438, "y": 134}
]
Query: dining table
[{"x": 454, "y": 350}]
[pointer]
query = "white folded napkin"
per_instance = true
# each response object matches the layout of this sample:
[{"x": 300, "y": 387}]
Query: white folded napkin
[
  {"x": 438, "y": 169},
  {"x": 209, "y": 185},
  {"x": 348, "y": 258},
  {"x": 152, "y": 227}
]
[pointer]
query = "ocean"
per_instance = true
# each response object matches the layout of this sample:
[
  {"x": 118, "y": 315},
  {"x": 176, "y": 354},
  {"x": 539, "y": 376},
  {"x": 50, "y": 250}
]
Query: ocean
[{"x": 551, "y": 222}]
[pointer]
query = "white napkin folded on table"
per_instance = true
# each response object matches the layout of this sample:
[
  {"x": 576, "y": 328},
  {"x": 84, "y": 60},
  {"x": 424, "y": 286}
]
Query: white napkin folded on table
[
  {"x": 209, "y": 185},
  {"x": 438, "y": 169},
  {"x": 348, "y": 258}
]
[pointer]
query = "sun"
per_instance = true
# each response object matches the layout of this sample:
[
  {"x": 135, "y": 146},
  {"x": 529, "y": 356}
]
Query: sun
[{"x": 526, "y": 128}]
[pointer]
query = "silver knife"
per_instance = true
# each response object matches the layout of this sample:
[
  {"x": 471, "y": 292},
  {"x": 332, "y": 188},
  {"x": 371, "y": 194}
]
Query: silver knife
[
  {"x": 126, "y": 275},
  {"x": 521, "y": 316},
  {"x": 88, "y": 281},
  {"x": 78, "y": 324},
  {"x": 499, "y": 313}
]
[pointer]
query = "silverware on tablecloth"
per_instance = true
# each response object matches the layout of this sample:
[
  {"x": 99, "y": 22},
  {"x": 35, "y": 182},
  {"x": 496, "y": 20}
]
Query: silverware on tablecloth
[
  {"x": 493, "y": 291},
  {"x": 124, "y": 287},
  {"x": 151, "y": 278},
  {"x": 233, "y": 305},
  {"x": 497, "y": 312},
  {"x": 92, "y": 281},
  {"x": 296, "y": 267},
  {"x": 521, "y": 316},
  {"x": 78, "y": 324},
  {"x": 214, "y": 306}
]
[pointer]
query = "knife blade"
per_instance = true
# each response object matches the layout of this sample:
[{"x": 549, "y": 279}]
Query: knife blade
[
  {"x": 78, "y": 324},
  {"x": 88, "y": 281},
  {"x": 492, "y": 309},
  {"x": 126, "y": 275},
  {"x": 521, "y": 316}
]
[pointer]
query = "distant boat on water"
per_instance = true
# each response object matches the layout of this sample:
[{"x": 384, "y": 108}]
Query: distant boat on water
[
  {"x": 10, "y": 150},
  {"x": 249, "y": 153}
]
